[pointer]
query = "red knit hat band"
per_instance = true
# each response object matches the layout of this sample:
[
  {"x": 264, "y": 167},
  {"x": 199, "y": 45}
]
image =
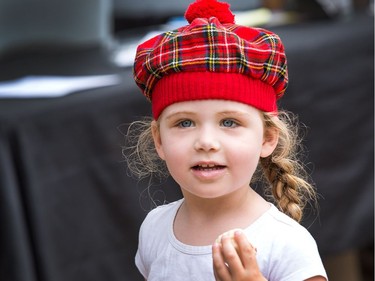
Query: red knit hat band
[{"x": 187, "y": 86}]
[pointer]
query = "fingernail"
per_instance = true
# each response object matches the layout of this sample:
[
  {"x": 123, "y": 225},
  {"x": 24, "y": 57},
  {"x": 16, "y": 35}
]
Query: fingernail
[
  {"x": 238, "y": 232},
  {"x": 216, "y": 245}
]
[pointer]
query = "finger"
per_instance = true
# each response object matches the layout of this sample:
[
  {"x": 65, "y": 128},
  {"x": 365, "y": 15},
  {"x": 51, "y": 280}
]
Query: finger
[
  {"x": 231, "y": 256},
  {"x": 221, "y": 270},
  {"x": 247, "y": 251}
]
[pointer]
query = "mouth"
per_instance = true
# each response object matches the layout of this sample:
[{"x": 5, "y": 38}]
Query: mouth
[{"x": 208, "y": 167}]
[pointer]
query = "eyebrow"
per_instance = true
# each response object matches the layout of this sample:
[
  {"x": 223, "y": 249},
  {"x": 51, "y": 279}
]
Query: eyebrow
[
  {"x": 236, "y": 113},
  {"x": 223, "y": 113},
  {"x": 177, "y": 113}
]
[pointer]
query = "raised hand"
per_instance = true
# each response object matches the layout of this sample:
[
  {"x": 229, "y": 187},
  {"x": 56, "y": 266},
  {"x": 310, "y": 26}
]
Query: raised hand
[{"x": 234, "y": 258}]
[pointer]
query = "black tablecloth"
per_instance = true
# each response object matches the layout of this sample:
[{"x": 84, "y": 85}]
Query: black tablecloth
[{"x": 68, "y": 210}]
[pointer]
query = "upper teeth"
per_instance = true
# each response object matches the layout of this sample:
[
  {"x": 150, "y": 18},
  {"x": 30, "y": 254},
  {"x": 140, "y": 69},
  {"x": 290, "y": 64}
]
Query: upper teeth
[{"x": 207, "y": 165}]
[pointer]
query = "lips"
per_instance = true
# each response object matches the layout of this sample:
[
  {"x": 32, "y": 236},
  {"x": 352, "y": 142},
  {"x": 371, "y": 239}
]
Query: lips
[
  {"x": 208, "y": 167},
  {"x": 209, "y": 172}
]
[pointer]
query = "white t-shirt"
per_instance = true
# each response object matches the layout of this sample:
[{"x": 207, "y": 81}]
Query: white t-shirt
[{"x": 285, "y": 250}]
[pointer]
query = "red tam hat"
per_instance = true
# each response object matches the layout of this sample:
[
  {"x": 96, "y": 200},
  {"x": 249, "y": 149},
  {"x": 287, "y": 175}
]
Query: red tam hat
[{"x": 212, "y": 58}]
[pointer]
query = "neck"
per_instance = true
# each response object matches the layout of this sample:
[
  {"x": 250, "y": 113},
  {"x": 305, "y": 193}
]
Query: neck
[
  {"x": 212, "y": 207},
  {"x": 241, "y": 203},
  {"x": 200, "y": 221}
]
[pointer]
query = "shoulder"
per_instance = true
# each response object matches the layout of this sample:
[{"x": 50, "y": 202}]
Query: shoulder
[
  {"x": 285, "y": 227},
  {"x": 154, "y": 233},
  {"x": 163, "y": 210},
  {"x": 285, "y": 247},
  {"x": 160, "y": 217},
  {"x": 156, "y": 228},
  {"x": 281, "y": 236}
]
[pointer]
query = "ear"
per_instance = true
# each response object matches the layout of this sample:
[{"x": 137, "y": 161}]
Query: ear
[
  {"x": 157, "y": 139},
  {"x": 270, "y": 140}
]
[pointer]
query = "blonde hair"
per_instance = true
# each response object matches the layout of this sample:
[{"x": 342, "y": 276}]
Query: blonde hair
[
  {"x": 283, "y": 172},
  {"x": 289, "y": 182}
]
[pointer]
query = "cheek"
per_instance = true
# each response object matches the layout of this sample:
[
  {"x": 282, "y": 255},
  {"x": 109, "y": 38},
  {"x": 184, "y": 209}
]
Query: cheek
[
  {"x": 176, "y": 160},
  {"x": 246, "y": 160},
  {"x": 246, "y": 154},
  {"x": 172, "y": 149}
]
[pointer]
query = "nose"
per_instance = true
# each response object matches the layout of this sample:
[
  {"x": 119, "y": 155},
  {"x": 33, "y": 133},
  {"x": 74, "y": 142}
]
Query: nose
[{"x": 207, "y": 140}]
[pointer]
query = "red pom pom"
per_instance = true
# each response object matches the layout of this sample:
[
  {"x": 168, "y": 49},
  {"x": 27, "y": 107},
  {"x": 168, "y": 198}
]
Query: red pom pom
[{"x": 209, "y": 8}]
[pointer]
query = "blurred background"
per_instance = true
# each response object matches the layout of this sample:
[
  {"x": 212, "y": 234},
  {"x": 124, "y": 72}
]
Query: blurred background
[{"x": 68, "y": 208}]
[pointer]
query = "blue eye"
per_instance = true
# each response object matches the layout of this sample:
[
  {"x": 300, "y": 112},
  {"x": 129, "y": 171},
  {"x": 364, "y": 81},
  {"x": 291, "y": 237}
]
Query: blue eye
[
  {"x": 228, "y": 123},
  {"x": 185, "y": 123}
]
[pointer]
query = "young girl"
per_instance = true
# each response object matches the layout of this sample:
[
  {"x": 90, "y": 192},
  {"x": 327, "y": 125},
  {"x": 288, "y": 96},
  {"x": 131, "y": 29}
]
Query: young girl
[{"x": 213, "y": 86}]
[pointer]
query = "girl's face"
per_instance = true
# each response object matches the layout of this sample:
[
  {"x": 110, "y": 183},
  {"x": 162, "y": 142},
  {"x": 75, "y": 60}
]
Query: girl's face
[{"x": 212, "y": 147}]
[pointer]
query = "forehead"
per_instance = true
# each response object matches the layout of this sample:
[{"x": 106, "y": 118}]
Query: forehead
[{"x": 209, "y": 107}]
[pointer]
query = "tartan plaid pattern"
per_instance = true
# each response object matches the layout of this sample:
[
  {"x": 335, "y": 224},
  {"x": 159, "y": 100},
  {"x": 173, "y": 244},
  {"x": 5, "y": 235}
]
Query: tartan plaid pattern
[{"x": 207, "y": 45}]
